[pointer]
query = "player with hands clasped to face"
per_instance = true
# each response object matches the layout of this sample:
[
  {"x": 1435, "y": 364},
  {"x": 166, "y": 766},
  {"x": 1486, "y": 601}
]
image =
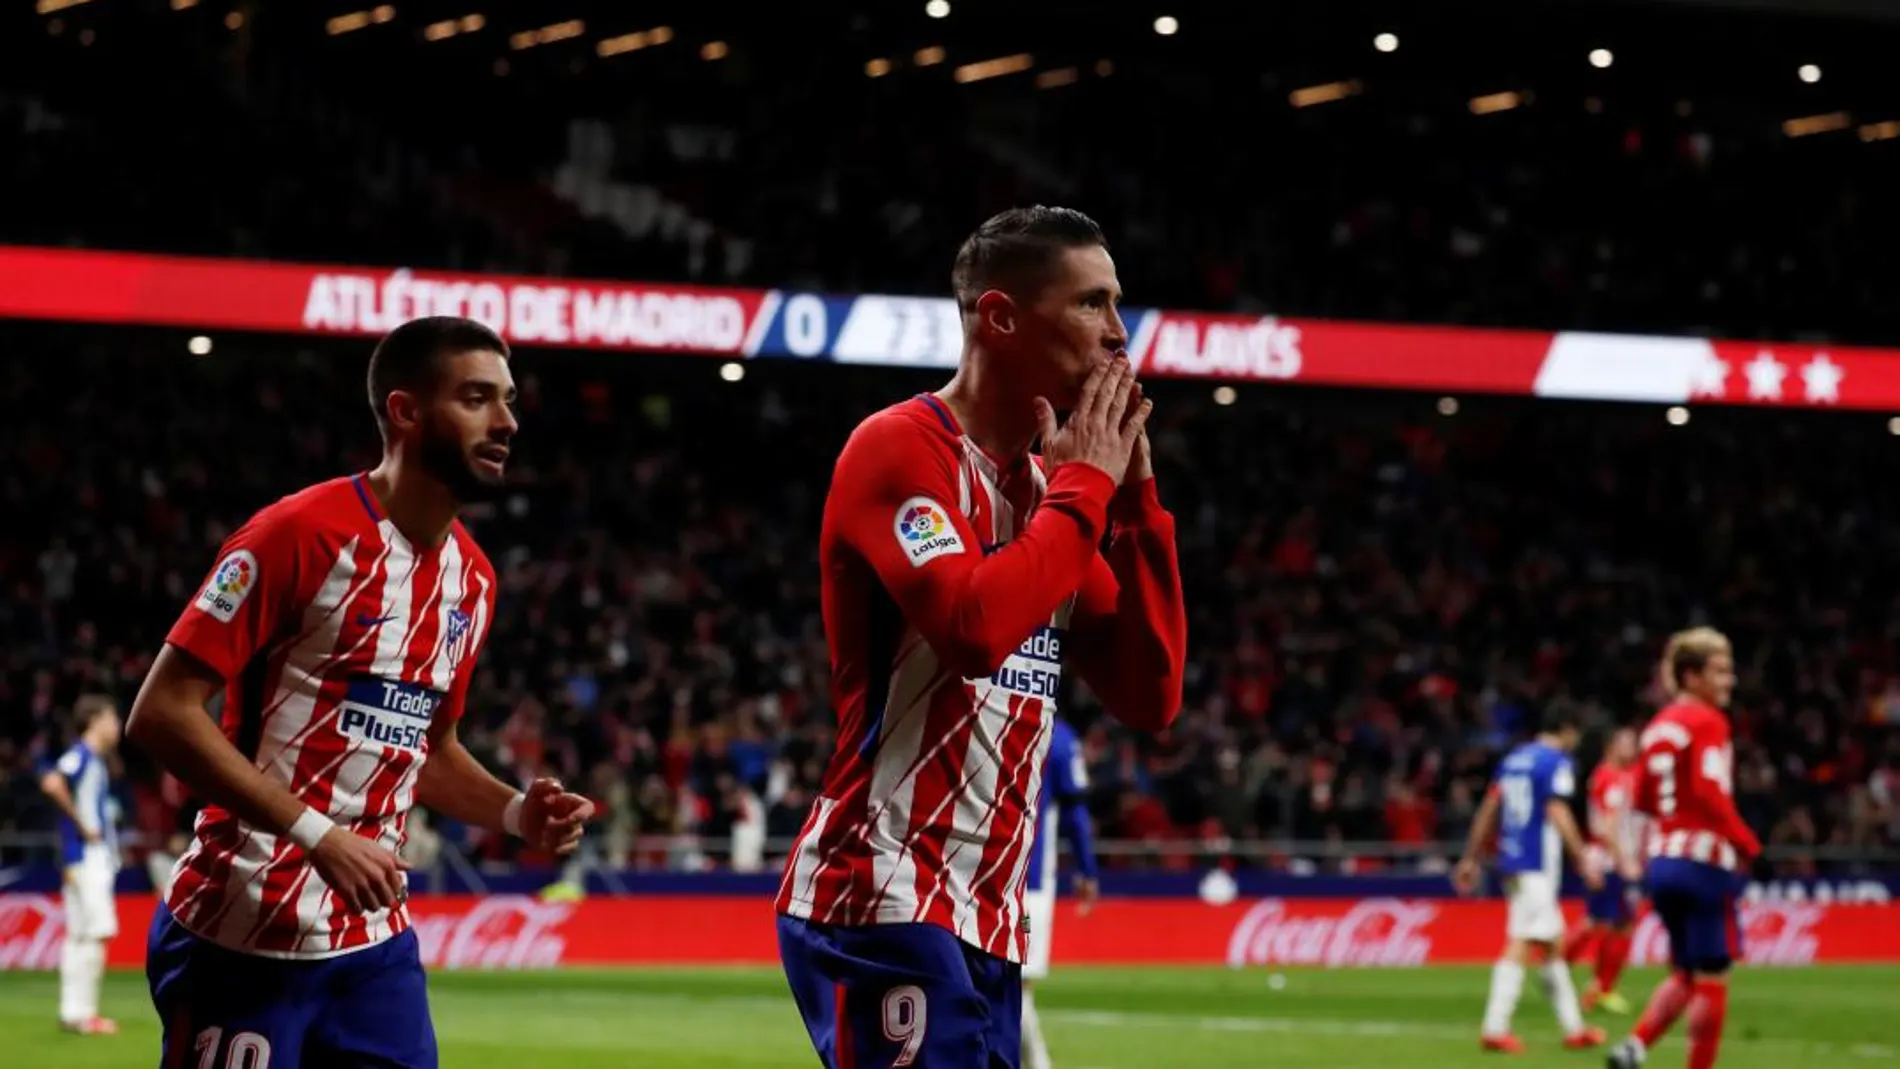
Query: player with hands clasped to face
[
  {"x": 342, "y": 625},
  {"x": 961, "y": 577},
  {"x": 1108, "y": 427}
]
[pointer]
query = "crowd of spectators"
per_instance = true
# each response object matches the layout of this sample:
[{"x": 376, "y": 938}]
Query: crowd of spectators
[
  {"x": 1660, "y": 194},
  {"x": 1380, "y": 597}
]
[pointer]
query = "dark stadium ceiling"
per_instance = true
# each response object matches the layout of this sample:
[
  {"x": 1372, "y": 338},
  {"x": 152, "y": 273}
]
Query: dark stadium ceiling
[{"x": 570, "y": 48}]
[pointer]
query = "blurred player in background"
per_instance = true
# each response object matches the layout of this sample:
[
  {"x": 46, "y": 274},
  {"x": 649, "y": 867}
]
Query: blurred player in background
[
  {"x": 1062, "y": 813},
  {"x": 1614, "y": 850},
  {"x": 1529, "y": 807},
  {"x": 343, "y": 623},
  {"x": 960, "y": 576},
  {"x": 1699, "y": 849},
  {"x": 80, "y": 786}
]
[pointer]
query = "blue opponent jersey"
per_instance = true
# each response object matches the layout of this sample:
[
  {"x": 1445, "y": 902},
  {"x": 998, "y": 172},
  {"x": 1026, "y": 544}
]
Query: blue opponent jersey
[
  {"x": 1065, "y": 786},
  {"x": 87, "y": 779},
  {"x": 1529, "y": 778}
]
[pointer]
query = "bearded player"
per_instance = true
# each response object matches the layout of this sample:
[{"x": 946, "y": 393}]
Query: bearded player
[
  {"x": 961, "y": 575},
  {"x": 1699, "y": 850},
  {"x": 342, "y": 624},
  {"x": 1607, "y": 933}
]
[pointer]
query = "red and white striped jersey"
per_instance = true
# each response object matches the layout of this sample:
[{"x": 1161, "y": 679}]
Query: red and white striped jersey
[
  {"x": 1684, "y": 784},
  {"x": 955, "y": 589},
  {"x": 341, "y": 645},
  {"x": 1613, "y": 817}
]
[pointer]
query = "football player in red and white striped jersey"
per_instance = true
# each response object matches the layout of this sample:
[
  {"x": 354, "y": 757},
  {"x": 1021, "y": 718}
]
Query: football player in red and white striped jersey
[
  {"x": 1700, "y": 849},
  {"x": 961, "y": 577},
  {"x": 341, "y": 624}
]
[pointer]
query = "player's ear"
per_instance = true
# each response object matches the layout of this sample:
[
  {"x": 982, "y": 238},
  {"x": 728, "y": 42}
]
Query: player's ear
[
  {"x": 403, "y": 408},
  {"x": 996, "y": 311}
]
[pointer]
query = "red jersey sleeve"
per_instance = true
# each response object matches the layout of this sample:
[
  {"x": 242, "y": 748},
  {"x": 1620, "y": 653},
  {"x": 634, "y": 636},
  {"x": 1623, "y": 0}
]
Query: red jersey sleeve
[
  {"x": 893, "y": 500},
  {"x": 1130, "y": 622},
  {"x": 253, "y": 596},
  {"x": 1714, "y": 779}
]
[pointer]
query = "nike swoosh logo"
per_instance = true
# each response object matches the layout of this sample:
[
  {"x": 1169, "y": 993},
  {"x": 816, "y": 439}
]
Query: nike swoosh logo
[{"x": 372, "y": 621}]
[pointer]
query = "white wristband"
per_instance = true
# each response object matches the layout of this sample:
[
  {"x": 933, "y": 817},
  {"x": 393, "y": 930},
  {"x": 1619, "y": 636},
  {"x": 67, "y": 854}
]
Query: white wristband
[
  {"x": 309, "y": 829},
  {"x": 511, "y": 814}
]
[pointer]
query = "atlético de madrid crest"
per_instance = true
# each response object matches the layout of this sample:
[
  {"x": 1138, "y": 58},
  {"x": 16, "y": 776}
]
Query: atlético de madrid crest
[{"x": 455, "y": 639}]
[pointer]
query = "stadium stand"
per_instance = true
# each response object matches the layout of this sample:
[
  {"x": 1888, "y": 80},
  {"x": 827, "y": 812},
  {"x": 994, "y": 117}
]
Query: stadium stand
[{"x": 1381, "y": 594}]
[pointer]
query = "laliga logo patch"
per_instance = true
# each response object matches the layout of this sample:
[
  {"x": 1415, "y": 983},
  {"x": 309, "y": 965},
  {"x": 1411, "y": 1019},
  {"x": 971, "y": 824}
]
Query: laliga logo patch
[
  {"x": 230, "y": 584},
  {"x": 925, "y": 532}
]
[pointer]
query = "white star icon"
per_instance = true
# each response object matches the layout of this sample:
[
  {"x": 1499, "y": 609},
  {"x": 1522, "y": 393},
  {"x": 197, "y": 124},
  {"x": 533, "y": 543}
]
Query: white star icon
[
  {"x": 1764, "y": 377},
  {"x": 1710, "y": 377},
  {"x": 1822, "y": 378}
]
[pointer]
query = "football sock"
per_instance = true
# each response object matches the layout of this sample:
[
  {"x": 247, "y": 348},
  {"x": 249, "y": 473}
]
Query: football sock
[
  {"x": 1563, "y": 996},
  {"x": 1664, "y": 1007},
  {"x": 1612, "y": 954},
  {"x": 1707, "y": 1009},
  {"x": 1507, "y": 982}
]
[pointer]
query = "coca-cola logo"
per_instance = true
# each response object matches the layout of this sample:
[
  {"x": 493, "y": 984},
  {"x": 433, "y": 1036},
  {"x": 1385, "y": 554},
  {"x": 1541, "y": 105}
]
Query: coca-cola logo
[
  {"x": 1773, "y": 933},
  {"x": 1375, "y": 931},
  {"x": 502, "y": 932},
  {"x": 31, "y": 930}
]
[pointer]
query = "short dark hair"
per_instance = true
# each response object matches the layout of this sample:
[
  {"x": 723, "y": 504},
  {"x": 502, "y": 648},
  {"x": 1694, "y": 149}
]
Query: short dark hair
[
  {"x": 1012, "y": 250},
  {"x": 91, "y": 707},
  {"x": 406, "y": 358},
  {"x": 1559, "y": 716}
]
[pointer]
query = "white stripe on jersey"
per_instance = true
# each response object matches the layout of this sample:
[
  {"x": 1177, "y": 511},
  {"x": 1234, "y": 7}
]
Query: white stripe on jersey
[
  {"x": 971, "y": 816},
  {"x": 806, "y": 864},
  {"x": 888, "y": 805},
  {"x": 1037, "y": 757},
  {"x": 452, "y": 584},
  {"x": 286, "y": 723}
]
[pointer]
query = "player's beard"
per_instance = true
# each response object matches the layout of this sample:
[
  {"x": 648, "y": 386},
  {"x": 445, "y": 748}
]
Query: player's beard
[{"x": 447, "y": 461}]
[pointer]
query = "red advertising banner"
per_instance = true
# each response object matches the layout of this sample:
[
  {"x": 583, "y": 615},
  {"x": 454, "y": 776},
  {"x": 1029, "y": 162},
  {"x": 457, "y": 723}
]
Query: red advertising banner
[
  {"x": 519, "y": 932},
  {"x": 66, "y": 285},
  {"x": 70, "y": 285}
]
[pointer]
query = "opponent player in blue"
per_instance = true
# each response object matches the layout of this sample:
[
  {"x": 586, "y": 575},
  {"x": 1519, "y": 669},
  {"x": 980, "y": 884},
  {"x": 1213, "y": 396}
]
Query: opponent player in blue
[
  {"x": 1529, "y": 807},
  {"x": 1061, "y": 814},
  {"x": 80, "y": 786}
]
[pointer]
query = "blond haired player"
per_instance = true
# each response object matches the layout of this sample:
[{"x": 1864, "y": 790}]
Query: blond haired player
[{"x": 1699, "y": 847}]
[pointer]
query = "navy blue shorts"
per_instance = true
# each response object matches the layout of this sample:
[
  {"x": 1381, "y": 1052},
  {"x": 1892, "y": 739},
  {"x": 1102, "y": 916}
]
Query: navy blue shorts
[
  {"x": 892, "y": 995},
  {"x": 1612, "y": 904},
  {"x": 365, "y": 1009},
  {"x": 1696, "y": 904}
]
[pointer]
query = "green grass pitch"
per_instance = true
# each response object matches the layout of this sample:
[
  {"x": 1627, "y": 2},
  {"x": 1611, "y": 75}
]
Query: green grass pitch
[{"x": 1836, "y": 1017}]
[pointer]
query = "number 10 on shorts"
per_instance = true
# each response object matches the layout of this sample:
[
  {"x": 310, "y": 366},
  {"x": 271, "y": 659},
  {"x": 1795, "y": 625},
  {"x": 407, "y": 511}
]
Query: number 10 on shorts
[{"x": 247, "y": 1050}]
